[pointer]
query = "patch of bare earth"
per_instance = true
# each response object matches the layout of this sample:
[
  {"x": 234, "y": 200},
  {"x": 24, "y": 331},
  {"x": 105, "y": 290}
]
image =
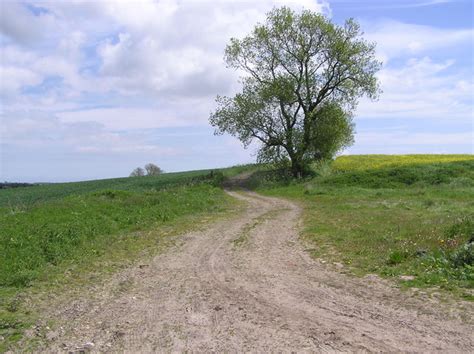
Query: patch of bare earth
[{"x": 247, "y": 284}]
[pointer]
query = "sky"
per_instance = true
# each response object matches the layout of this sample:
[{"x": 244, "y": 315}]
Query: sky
[{"x": 93, "y": 89}]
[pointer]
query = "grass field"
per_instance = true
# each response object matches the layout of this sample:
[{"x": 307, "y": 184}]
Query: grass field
[
  {"x": 24, "y": 197},
  {"x": 394, "y": 216},
  {"x": 60, "y": 234}
]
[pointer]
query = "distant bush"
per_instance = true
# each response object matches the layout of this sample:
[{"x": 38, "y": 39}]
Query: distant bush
[
  {"x": 153, "y": 170},
  {"x": 138, "y": 172},
  {"x": 214, "y": 178}
]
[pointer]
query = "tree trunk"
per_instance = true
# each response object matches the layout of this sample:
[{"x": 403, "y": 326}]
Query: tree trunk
[{"x": 296, "y": 168}]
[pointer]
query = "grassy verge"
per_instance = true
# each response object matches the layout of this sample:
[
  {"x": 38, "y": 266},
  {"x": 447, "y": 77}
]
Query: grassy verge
[
  {"x": 405, "y": 217},
  {"x": 70, "y": 239}
]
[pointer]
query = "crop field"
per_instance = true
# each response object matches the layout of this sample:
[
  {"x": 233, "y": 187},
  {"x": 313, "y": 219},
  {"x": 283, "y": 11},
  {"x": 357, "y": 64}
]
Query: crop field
[
  {"x": 371, "y": 162},
  {"x": 22, "y": 197},
  {"x": 59, "y": 233},
  {"x": 410, "y": 218}
]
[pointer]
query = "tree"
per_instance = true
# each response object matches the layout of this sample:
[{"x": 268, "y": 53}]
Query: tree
[
  {"x": 152, "y": 170},
  {"x": 303, "y": 78},
  {"x": 332, "y": 131},
  {"x": 138, "y": 172}
]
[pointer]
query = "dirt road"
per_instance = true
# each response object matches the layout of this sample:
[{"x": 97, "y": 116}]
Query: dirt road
[{"x": 246, "y": 284}]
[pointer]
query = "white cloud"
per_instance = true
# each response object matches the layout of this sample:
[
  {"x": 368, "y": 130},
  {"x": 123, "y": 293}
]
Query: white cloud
[
  {"x": 397, "y": 39},
  {"x": 181, "y": 53},
  {"x": 13, "y": 78},
  {"x": 129, "y": 118},
  {"x": 18, "y": 23},
  {"x": 422, "y": 89},
  {"x": 39, "y": 130}
]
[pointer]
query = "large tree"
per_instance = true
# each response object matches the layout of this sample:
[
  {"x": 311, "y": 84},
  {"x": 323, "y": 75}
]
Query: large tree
[{"x": 303, "y": 76}]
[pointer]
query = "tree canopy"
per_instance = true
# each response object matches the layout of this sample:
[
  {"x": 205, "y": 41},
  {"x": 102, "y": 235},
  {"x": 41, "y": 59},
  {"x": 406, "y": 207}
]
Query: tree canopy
[
  {"x": 152, "y": 169},
  {"x": 303, "y": 76},
  {"x": 138, "y": 172}
]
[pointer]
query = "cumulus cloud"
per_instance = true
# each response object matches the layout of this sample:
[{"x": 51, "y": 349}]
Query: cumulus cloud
[
  {"x": 14, "y": 78},
  {"x": 175, "y": 47},
  {"x": 421, "y": 88},
  {"x": 396, "y": 39},
  {"x": 20, "y": 24},
  {"x": 37, "y": 130},
  {"x": 122, "y": 118}
]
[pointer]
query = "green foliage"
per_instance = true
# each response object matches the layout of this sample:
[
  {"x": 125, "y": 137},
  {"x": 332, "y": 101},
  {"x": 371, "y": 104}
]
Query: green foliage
[
  {"x": 464, "y": 256},
  {"x": 396, "y": 257},
  {"x": 462, "y": 229},
  {"x": 138, "y": 172},
  {"x": 304, "y": 77},
  {"x": 461, "y": 232},
  {"x": 153, "y": 170},
  {"x": 331, "y": 132},
  {"x": 392, "y": 215}
]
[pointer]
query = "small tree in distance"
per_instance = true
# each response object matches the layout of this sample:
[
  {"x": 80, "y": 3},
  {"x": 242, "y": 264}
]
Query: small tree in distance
[
  {"x": 138, "y": 172},
  {"x": 152, "y": 170}
]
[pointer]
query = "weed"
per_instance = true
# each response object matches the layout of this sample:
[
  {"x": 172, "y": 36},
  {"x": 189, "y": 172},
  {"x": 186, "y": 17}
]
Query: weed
[
  {"x": 396, "y": 257},
  {"x": 463, "y": 256}
]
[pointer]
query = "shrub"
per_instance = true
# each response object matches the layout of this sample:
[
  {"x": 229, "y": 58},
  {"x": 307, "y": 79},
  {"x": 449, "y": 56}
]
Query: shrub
[
  {"x": 463, "y": 256},
  {"x": 396, "y": 257}
]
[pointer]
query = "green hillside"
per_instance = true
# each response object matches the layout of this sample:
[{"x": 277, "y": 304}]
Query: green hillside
[{"x": 395, "y": 216}]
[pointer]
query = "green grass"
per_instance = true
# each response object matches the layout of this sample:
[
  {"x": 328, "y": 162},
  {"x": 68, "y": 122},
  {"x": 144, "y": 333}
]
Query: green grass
[
  {"x": 392, "y": 215},
  {"x": 59, "y": 235},
  {"x": 26, "y": 196}
]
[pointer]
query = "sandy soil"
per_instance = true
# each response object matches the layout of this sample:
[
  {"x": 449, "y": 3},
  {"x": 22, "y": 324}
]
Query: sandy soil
[{"x": 247, "y": 284}]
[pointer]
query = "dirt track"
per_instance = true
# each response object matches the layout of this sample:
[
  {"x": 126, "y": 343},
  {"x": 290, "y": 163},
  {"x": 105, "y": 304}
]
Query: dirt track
[{"x": 246, "y": 284}]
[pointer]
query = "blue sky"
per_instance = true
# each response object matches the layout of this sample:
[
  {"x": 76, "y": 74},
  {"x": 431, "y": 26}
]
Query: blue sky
[{"x": 93, "y": 89}]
